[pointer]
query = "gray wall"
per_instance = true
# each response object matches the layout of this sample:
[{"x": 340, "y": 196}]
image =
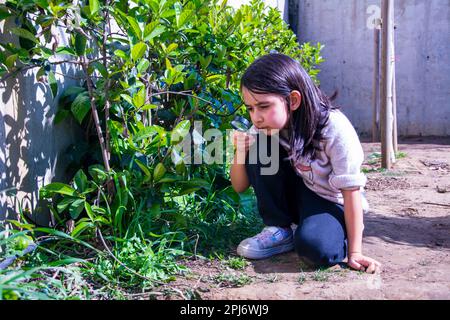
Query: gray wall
[
  {"x": 31, "y": 146},
  {"x": 422, "y": 59}
]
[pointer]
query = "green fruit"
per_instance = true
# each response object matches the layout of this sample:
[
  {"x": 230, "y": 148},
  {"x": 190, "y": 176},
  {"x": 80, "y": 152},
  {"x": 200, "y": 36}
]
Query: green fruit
[
  {"x": 11, "y": 295},
  {"x": 21, "y": 242},
  {"x": 159, "y": 172}
]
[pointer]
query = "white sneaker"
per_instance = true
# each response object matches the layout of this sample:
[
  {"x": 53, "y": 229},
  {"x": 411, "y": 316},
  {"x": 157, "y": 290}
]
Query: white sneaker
[{"x": 271, "y": 241}]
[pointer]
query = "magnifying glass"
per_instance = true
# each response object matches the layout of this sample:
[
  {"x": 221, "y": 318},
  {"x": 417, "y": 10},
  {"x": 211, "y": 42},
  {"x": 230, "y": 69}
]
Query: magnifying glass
[{"x": 240, "y": 124}]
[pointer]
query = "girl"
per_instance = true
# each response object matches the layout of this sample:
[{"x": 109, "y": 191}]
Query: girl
[{"x": 319, "y": 182}]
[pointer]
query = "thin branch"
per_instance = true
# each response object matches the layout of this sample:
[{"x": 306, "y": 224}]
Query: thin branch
[
  {"x": 66, "y": 61},
  {"x": 437, "y": 204},
  {"x": 183, "y": 93},
  {"x": 105, "y": 64},
  {"x": 15, "y": 72},
  {"x": 95, "y": 115}
]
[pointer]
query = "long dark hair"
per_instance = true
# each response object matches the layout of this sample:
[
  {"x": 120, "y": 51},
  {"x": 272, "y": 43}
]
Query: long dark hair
[{"x": 280, "y": 74}]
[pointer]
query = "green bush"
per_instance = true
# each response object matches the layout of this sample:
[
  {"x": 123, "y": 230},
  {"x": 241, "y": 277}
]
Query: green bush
[{"x": 149, "y": 69}]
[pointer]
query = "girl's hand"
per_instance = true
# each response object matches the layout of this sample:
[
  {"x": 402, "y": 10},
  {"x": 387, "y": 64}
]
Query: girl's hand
[
  {"x": 360, "y": 262},
  {"x": 242, "y": 142}
]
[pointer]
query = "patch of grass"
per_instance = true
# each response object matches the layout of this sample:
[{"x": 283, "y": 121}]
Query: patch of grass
[
  {"x": 373, "y": 158},
  {"x": 232, "y": 280},
  {"x": 237, "y": 263},
  {"x": 401, "y": 155},
  {"x": 374, "y": 155},
  {"x": 302, "y": 278},
  {"x": 373, "y": 170},
  {"x": 321, "y": 275}
]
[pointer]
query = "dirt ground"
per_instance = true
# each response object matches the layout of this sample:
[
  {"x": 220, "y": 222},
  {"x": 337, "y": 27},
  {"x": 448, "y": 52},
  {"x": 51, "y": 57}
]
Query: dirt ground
[{"x": 407, "y": 230}]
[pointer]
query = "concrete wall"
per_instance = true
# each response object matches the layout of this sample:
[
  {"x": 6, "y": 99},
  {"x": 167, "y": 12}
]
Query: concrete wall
[
  {"x": 422, "y": 58},
  {"x": 31, "y": 147}
]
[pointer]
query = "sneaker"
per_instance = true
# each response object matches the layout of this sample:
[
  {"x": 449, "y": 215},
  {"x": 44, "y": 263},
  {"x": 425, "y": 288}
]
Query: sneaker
[{"x": 271, "y": 241}]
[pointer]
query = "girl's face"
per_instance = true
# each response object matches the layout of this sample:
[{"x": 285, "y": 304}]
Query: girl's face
[{"x": 267, "y": 111}]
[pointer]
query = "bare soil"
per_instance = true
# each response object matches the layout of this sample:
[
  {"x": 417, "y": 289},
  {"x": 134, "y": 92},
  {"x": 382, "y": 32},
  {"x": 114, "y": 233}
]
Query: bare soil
[{"x": 407, "y": 230}]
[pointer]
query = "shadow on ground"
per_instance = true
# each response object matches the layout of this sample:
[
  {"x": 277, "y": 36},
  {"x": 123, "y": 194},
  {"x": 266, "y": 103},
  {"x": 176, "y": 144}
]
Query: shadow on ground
[{"x": 425, "y": 232}]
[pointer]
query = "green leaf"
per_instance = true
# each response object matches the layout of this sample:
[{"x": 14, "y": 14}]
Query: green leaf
[
  {"x": 143, "y": 65},
  {"x": 66, "y": 236},
  {"x": 66, "y": 50},
  {"x": 80, "y": 44},
  {"x": 196, "y": 182},
  {"x": 184, "y": 17},
  {"x": 152, "y": 30},
  {"x": 76, "y": 208},
  {"x": 24, "y": 34},
  {"x": 145, "y": 133},
  {"x": 41, "y": 72},
  {"x": 205, "y": 61},
  {"x": 168, "y": 13},
  {"x": 56, "y": 187},
  {"x": 10, "y": 60},
  {"x": 66, "y": 261},
  {"x": 80, "y": 227},
  {"x": 169, "y": 178},
  {"x": 138, "y": 51},
  {"x": 144, "y": 169},
  {"x": 101, "y": 68},
  {"x": 214, "y": 78},
  {"x": 127, "y": 98},
  {"x": 98, "y": 173},
  {"x": 149, "y": 107},
  {"x": 168, "y": 64},
  {"x": 139, "y": 98},
  {"x": 135, "y": 27},
  {"x": 180, "y": 131},
  {"x": 94, "y": 6},
  {"x": 53, "y": 84},
  {"x": 171, "y": 47},
  {"x": 89, "y": 211},
  {"x": 72, "y": 91},
  {"x": 121, "y": 54},
  {"x": 4, "y": 14},
  {"x": 178, "y": 9},
  {"x": 64, "y": 203},
  {"x": 155, "y": 211},
  {"x": 159, "y": 172},
  {"x": 80, "y": 106},
  {"x": 80, "y": 181}
]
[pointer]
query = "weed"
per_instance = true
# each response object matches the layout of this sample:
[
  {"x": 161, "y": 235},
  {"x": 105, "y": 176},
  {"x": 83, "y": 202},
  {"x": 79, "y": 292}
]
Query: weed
[
  {"x": 232, "y": 280},
  {"x": 237, "y": 263},
  {"x": 321, "y": 275},
  {"x": 302, "y": 278},
  {"x": 401, "y": 155},
  {"x": 373, "y": 170}
]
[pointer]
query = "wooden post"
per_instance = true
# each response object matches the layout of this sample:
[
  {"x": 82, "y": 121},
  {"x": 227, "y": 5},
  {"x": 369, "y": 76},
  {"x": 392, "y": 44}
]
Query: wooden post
[
  {"x": 386, "y": 118},
  {"x": 394, "y": 102},
  {"x": 376, "y": 85}
]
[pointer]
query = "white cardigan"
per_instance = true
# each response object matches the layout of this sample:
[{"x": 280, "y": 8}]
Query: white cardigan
[{"x": 338, "y": 165}]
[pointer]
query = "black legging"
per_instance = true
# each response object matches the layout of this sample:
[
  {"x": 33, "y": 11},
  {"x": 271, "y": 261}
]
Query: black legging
[{"x": 283, "y": 199}]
